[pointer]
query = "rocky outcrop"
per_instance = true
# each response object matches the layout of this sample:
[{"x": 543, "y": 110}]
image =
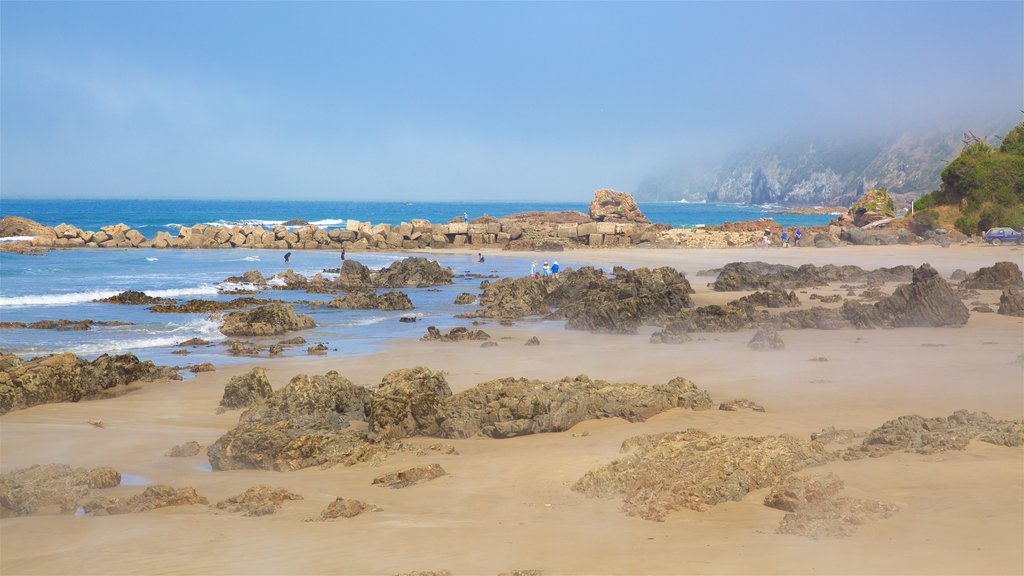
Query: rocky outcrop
[
  {"x": 267, "y": 320},
  {"x": 345, "y": 508},
  {"x": 246, "y": 389},
  {"x": 816, "y": 510},
  {"x": 370, "y": 301},
  {"x": 771, "y": 299},
  {"x": 18, "y": 226},
  {"x": 515, "y": 407},
  {"x": 927, "y": 301},
  {"x": 692, "y": 469},
  {"x": 303, "y": 424},
  {"x": 611, "y": 206},
  {"x": 465, "y": 298},
  {"x": 740, "y": 404},
  {"x": 766, "y": 338},
  {"x": 413, "y": 272},
  {"x": 457, "y": 334},
  {"x": 133, "y": 297},
  {"x": 410, "y": 476},
  {"x": 873, "y": 206},
  {"x": 61, "y": 325},
  {"x": 409, "y": 402},
  {"x": 208, "y": 306},
  {"x": 930, "y": 435},
  {"x": 1011, "y": 302},
  {"x": 737, "y": 276},
  {"x": 153, "y": 497},
  {"x": 67, "y": 378},
  {"x": 51, "y": 488},
  {"x": 996, "y": 277},
  {"x": 259, "y": 500},
  {"x": 185, "y": 450}
]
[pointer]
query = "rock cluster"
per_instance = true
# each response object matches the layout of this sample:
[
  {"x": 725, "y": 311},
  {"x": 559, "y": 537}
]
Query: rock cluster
[
  {"x": 153, "y": 497},
  {"x": 927, "y": 301},
  {"x": 345, "y": 508},
  {"x": 457, "y": 334},
  {"x": 370, "y": 301},
  {"x": 692, "y": 469},
  {"x": 266, "y": 320},
  {"x": 737, "y": 276},
  {"x": 61, "y": 325},
  {"x": 67, "y": 378},
  {"x": 929, "y": 435},
  {"x": 259, "y": 500},
  {"x": 51, "y": 487},
  {"x": 999, "y": 276},
  {"x": 410, "y": 476},
  {"x": 816, "y": 510}
]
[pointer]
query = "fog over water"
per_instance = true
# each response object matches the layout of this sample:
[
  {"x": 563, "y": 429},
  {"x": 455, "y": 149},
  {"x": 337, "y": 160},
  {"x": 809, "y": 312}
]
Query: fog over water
[{"x": 491, "y": 101}]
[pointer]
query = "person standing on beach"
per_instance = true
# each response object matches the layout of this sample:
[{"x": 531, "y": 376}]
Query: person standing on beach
[
  {"x": 287, "y": 257},
  {"x": 546, "y": 269},
  {"x": 554, "y": 269},
  {"x": 533, "y": 269},
  {"x": 342, "y": 254},
  {"x": 796, "y": 237},
  {"x": 785, "y": 239}
]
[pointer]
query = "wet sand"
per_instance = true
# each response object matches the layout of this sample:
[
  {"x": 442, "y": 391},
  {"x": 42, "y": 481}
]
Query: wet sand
[{"x": 506, "y": 504}]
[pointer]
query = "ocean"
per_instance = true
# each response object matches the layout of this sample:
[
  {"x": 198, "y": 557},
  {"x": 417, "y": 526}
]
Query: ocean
[{"x": 62, "y": 284}]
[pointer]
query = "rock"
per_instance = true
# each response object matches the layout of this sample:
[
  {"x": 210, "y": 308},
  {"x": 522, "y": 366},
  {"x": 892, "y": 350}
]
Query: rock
[
  {"x": 737, "y": 276},
  {"x": 18, "y": 226},
  {"x": 52, "y": 486},
  {"x": 413, "y": 272},
  {"x": 246, "y": 389},
  {"x": 824, "y": 240},
  {"x": 983, "y": 308},
  {"x": 409, "y": 402},
  {"x": 533, "y": 341},
  {"x": 670, "y": 337},
  {"x": 67, "y": 378},
  {"x": 252, "y": 278},
  {"x": 259, "y": 500},
  {"x": 206, "y": 306},
  {"x": 927, "y": 301},
  {"x": 153, "y": 497},
  {"x": 354, "y": 276},
  {"x": 408, "y": 319},
  {"x": 740, "y": 404},
  {"x": 713, "y": 318},
  {"x": 204, "y": 367},
  {"x": 816, "y": 510},
  {"x": 193, "y": 342},
  {"x": 267, "y": 320},
  {"x": 622, "y": 305},
  {"x": 873, "y": 206},
  {"x": 184, "y": 450},
  {"x": 930, "y": 435},
  {"x": 766, "y": 338},
  {"x": 832, "y": 434},
  {"x": 510, "y": 407},
  {"x": 692, "y": 469},
  {"x": 611, "y": 206},
  {"x": 394, "y": 301},
  {"x": 318, "y": 349},
  {"x": 296, "y": 341},
  {"x": 1011, "y": 302},
  {"x": 771, "y": 299},
  {"x": 465, "y": 298},
  {"x": 958, "y": 276},
  {"x": 489, "y": 344},
  {"x": 303, "y": 424},
  {"x": 410, "y": 476},
  {"x": 355, "y": 301},
  {"x": 242, "y": 348},
  {"x": 457, "y": 334},
  {"x": 996, "y": 277},
  {"x": 132, "y": 297},
  {"x": 345, "y": 508}
]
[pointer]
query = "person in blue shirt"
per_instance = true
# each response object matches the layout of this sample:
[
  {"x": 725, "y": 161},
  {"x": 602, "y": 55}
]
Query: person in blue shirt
[
  {"x": 785, "y": 239},
  {"x": 554, "y": 269}
]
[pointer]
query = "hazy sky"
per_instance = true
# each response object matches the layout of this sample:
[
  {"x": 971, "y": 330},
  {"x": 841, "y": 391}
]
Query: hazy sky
[{"x": 489, "y": 101}]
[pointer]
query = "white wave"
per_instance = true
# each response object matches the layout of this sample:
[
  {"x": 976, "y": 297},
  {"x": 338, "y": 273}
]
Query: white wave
[
  {"x": 325, "y": 223},
  {"x": 89, "y": 296},
  {"x": 17, "y": 239},
  {"x": 205, "y": 328},
  {"x": 238, "y": 287},
  {"x": 151, "y": 259},
  {"x": 173, "y": 225},
  {"x": 276, "y": 281},
  {"x": 366, "y": 321}
]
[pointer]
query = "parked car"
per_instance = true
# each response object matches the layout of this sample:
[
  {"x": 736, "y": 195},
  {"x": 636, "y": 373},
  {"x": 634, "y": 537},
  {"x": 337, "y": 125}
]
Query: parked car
[{"x": 997, "y": 236}]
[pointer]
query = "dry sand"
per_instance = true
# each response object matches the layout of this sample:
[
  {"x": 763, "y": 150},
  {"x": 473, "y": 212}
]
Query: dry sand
[{"x": 506, "y": 504}]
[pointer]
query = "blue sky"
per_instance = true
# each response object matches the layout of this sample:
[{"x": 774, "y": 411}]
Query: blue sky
[{"x": 488, "y": 101}]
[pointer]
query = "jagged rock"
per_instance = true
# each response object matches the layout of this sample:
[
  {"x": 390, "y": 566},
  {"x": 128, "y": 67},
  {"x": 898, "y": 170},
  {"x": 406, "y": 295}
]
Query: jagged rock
[
  {"x": 318, "y": 349},
  {"x": 407, "y": 319},
  {"x": 741, "y": 404},
  {"x": 29, "y": 490},
  {"x": 983, "y": 308},
  {"x": 465, "y": 298},
  {"x": 345, "y": 508},
  {"x": 831, "y": 299},
  {"x": 771, "y": 299},
  {"x": 246, "y": 389},
  {"x": 816, "y": 510},
  {"x": 669, "y": 337},
  {"x": 413, "y": 272},
  {"x": 18, "y": 226},
  {"x": 184, "y": 450},
  {"x": 259, "y": 500},
  {"x": 153, "y": 497},
  {"x": 268, "y": 320},
  {"x": 1011, "y": 302},
  {"x": 692, "y": 469},
  {"x": 832, "y": 434},
  {"x": 394, "y": 301},
  {"x": 204, "y": 367},
  {"x": 514, "y": 298},
  {"x": 410, "y": 476},
  {"x": 510, "y": 407},
  {"x": 249, "y": 277},
  {"x": 242, "y": 348},
  {"x": 739, "y": 276},
  {"x": 958, "y": 276},
  {"x": 996, "y": 277},
  {"x": 457, "y": 334},
  {"x": 206, "y": 306},
  {"x": 611, "y": 206},
  {"x": 712, "y": 318},
  {"x": 622, "y": 305},
  {"x": 354, "y": 276},
  {"x": 355, "y": 301},
  {"x": 67, "y": 378},
  {"x": 766, "y": 338},
  {"x": 533, "y": 341},
  {"x": 927, "y": 301},
  {"x": 409, "y": 402},
  {"x": 133, "y": 297},
  {"x": 303, "y": 424},
  {"x": 929, "y": 435}
]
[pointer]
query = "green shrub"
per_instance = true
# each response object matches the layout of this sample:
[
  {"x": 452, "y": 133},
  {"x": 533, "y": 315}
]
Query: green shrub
[
  {"x": 929, "y": 200},
  {"x": 1013, "y": 142}
]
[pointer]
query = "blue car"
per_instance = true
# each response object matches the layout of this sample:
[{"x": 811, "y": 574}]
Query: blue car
[{"x": 997, "y": 236}]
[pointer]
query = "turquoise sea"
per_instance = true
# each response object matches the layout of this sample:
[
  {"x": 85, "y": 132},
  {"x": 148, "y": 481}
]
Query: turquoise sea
[{"x": 62, "y": 284}]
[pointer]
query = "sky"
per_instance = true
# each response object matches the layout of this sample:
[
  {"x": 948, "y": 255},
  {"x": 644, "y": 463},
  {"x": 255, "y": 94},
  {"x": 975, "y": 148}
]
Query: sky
[{"x": 495, "y": 101}]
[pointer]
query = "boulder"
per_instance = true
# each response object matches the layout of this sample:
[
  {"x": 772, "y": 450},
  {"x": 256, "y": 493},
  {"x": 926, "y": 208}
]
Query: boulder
[
  {"x": 413, "y": 272},
  {"x": 611, "y": 206},
  {"x": 50, "y": 487},
  {"x": 355, "y": 301},
  {"x": 345, "y": 508},
  {"x": 409, "y": 402},
  {"x": 394, "y": 301},
  {"x": 930, "y": 435},
  {"x": 996, "y": 277},
  {"x": 766, "y": 338},
  {"x": 692, "y": 469},
  {"x": 133, "y": 297},
  {"x": 741, "y": 404},
  {"x": 353, "y": 276},
  {"x": 259, "y": 500},
  {"x": 927, "y": 301},
  {"x": 267, "y": 320},
  {"x": 1011, "y": 302},
  {"x": 184, "y": 450},
  {"x": 246, "y": 389},
  {"x": 67, "y": 378},
  {"x": 532, "y": 341},
  {"x": 410, "y": 476},
  {"x": 465, "y": 298},
  {"x": 18, "y": 226},
  {"x": 632, "y": 298}
]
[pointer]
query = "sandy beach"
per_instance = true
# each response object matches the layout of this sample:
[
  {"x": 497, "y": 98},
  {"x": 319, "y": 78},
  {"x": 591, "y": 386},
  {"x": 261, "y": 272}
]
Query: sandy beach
[{"x": 507, "y": 505}]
